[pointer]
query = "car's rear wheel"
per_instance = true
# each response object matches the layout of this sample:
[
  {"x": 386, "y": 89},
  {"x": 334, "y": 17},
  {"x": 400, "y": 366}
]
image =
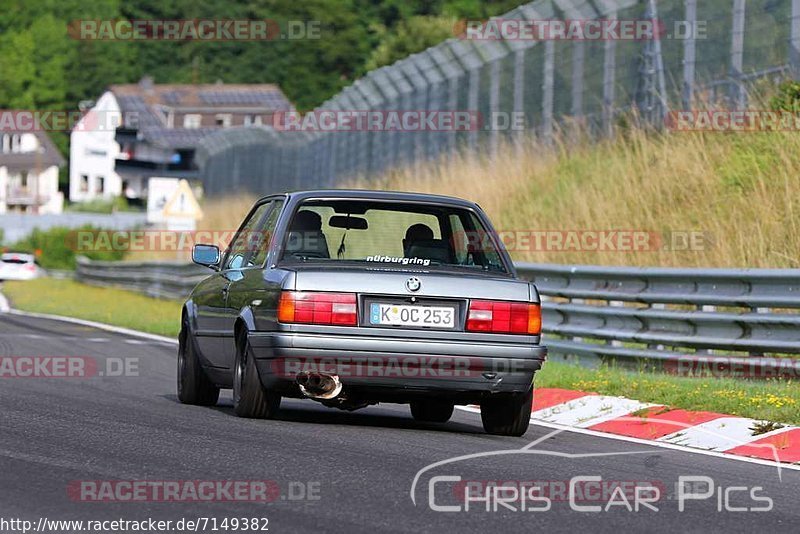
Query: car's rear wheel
[
  {"x": 507, "y": 415},
  {"x": 433, "y": 411},
  {"x": 194, "y": 386},
  {"x": 250, "y": 398}
]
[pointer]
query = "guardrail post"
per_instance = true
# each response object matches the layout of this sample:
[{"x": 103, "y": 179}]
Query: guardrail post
[
  {"x": 689, "y": 54},
  {"x": 738, "y": 94}
]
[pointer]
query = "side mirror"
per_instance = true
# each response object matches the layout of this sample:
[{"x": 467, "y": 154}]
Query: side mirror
[{"x": 206, "y": 255}]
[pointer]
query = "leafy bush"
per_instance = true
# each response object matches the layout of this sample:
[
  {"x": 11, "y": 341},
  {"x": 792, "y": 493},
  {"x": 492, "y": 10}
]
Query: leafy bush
[
  {"x": 101, "y": 205},
  {"x": 55, "y": 248},
  {"x": 788, "y": 97}
]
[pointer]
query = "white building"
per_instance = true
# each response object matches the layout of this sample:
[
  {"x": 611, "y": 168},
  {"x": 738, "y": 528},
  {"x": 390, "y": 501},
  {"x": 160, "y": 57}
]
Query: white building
[
  {"x": 93, "y": 152},
  {"x": 137, "y": 131},
  {"x": 29, "y": 163}
]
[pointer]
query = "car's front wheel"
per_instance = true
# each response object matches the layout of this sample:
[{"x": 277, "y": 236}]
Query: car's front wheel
[
  {"x": 194, "y": 387},
  {"x": 433, "y": 411},
  {"x": 250, "y": 398},
  {"x": 507, "y": 415}
]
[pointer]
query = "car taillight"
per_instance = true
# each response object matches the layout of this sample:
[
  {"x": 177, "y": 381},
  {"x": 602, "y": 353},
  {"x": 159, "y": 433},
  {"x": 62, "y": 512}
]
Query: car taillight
[
  {"x": 311, "y": 307},
  {"x": 499, "y": 317},
  {"x": 30, "y": 266}
]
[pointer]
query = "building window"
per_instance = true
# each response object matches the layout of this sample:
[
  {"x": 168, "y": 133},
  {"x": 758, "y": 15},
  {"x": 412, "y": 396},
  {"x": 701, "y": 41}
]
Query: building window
[
  {"x": 84, "y": 183},
  {"x": 223, "y": 119},
  {"x": 252, "y": 120},
  {"x": 192, "y": 120},
  {"x": 100, "y": 184},
  {"x": 16, "y": 143}
]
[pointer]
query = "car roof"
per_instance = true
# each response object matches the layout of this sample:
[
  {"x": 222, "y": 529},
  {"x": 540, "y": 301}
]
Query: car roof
[
  {"x": 18, "y": 255},
  {"x": 366, "y": 194}
]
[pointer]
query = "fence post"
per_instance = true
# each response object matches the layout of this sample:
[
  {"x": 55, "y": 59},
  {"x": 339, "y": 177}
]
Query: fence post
[
  {"x": 494, "y": 105},
  {"x": 452, "y": 104},
  {"x": 737, "y": 94},
  {"x": 472, "y": 105},
  {"x": 547, "y": 89},
  {"x": 519, "y": 85},
  {"x": 689, "y": 54},
  {"x": 794, "y": 48},
  {"x": 609, "y": 80},
  {"x": 578, "y": 54}
]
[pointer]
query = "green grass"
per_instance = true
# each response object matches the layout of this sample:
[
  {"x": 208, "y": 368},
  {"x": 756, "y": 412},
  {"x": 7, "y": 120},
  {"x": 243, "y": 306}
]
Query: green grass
[
  {"x": 768, "y": 400},
  {"x": 111, "y": 306}
]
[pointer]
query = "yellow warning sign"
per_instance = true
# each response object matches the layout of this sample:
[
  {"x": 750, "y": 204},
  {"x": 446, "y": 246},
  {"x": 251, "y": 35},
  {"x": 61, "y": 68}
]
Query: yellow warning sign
[{"x": 183, "y": 203}]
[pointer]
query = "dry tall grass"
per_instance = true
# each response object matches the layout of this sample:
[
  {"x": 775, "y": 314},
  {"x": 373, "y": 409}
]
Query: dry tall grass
[{"x": 741, "y": 192}]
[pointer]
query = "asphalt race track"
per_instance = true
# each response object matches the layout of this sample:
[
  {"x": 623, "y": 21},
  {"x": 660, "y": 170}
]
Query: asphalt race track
[{"x": 358, "y": 467}]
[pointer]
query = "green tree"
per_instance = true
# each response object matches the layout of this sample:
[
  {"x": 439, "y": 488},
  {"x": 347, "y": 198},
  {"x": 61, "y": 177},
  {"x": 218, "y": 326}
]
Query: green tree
[{"x": 411, "y": 36}]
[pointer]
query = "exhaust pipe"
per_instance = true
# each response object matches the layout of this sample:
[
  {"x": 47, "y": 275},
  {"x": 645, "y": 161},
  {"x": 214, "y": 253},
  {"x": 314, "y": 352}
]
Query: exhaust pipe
[{"x": 319, "y": 386}]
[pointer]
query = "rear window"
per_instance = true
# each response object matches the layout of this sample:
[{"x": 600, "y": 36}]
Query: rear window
[
  {"x": 16, "y": 260},
  {"x": 386, "y": 234}
]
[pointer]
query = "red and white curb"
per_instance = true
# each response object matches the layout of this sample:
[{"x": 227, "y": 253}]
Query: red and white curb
[{"x": 665, "y": 426}]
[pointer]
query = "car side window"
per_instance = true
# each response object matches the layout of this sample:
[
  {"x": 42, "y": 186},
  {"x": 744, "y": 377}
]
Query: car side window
[
  {"x": 265, "y": 234},
  {"x": 460, "y": 241},
  {"x": 243, "y": 245}
]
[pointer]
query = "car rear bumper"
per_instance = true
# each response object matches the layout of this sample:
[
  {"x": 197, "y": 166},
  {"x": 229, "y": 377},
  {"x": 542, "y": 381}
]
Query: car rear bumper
[{"x": 397, "y": 369}]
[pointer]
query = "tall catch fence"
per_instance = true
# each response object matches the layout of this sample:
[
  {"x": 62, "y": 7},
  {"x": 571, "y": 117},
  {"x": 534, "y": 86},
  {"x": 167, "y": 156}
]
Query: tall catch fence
[{"x": 709, "y": 51}]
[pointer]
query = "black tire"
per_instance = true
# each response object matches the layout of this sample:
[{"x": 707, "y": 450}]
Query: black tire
[
  {"x": 250, "y": 398},
  {"x": 432, "y": 411},
  {"x": 507, "y": 415},
  {"x": 194, "y": 386}
]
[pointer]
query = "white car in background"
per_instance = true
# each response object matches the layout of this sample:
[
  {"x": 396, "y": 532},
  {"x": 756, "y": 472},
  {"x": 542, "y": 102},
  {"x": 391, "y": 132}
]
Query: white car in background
[{"x": 18, "y": 266}]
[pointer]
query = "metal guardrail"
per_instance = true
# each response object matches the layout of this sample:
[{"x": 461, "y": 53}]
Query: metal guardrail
[
  {"x": 672, "y": 317},
  {"x": 162, "y": 279},
  {"x": 633, "y": 316}
]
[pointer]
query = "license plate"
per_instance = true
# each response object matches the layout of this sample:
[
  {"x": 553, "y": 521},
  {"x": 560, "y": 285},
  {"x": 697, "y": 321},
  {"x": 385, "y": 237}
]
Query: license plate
[{"x": 404, "y": 315}]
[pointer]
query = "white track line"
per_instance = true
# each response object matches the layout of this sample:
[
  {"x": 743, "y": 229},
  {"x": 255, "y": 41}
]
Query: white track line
[{"x": 100, "y": 326}]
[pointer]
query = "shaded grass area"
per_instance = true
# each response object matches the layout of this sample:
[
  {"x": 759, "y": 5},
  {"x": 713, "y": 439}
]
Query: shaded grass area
[
  {"x": 105, "y": 305},
  {"x": 768, "y": 400}
]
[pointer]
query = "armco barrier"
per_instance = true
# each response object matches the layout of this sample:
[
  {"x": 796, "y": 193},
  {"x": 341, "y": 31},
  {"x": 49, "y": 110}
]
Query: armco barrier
[
  {"x": 666, "y": 317},
  {"x": 672, "y": 317},
  {"x": 163, "y": 279}
]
